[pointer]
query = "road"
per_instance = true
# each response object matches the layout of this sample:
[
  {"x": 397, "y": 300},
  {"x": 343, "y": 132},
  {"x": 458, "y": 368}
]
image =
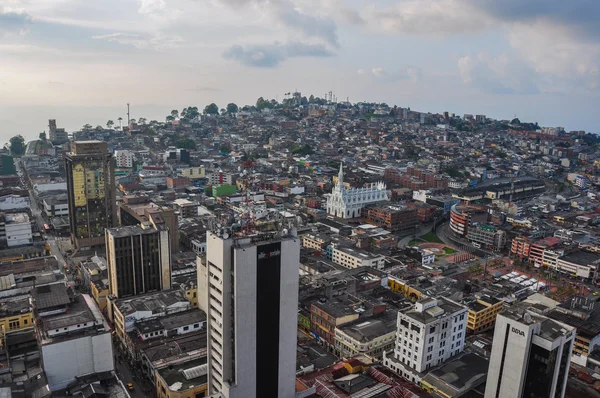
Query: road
[
  {"x": 424, "y": 229},
  {"x": 463, "y": 245}
]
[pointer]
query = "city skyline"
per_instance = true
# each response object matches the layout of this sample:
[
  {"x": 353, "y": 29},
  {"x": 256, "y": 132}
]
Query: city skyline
[{"x": 80, "y": 63}]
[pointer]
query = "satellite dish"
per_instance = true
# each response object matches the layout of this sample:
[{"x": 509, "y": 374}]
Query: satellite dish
[
  {"x": 285, "y": 231},
  {"x": 225, "y": 235}
]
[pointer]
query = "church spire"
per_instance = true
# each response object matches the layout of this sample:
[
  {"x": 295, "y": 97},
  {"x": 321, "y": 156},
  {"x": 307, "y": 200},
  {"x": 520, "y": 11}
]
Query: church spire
[{"x": 340, "y": 180}]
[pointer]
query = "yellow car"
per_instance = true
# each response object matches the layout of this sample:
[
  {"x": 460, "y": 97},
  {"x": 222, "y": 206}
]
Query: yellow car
[
  {"x": 595, "y": 293},
  {"x": 130, "y": 386}
]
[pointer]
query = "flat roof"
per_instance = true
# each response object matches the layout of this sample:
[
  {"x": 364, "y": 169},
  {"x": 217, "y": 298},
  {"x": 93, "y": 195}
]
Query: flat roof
[
  {"x": 50, "y": 296},
  {"x": 185, "y": 376},
  {"x": 121, "y": 232}
]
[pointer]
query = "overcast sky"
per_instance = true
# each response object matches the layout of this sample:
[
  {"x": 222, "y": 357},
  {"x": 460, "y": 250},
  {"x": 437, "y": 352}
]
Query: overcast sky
[{"x": 82, "y": 60}]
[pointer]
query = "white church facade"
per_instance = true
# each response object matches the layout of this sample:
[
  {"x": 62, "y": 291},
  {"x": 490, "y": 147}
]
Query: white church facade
[{"x": 347, "y": 203}]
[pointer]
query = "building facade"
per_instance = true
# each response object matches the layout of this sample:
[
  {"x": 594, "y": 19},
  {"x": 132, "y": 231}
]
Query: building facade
[
  {"x": 427, "y": 336},
  {"x": 90, "y": 191},
  {"x": 18, "y": 230},
  {"x": 530, "y": 357},
  {"x": 393, "y": 218},
  {"x": 139, "y": 260},
  {"x": 482, "y": 313},
  {"x": 124, "y": 159},
  {"x": 348, "y": 203},
  {"x": 250, "y": 287}
]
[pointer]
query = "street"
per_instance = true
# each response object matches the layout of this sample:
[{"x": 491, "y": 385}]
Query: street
[{"x": 424, "y": 229}]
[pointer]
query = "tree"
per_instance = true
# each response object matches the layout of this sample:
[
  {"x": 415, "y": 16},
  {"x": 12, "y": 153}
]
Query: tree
[
  {"x": 175, "y": 113},
  {"x": 223, "y": 111},
  {"x": 190, "y": 113},
  {"x": 87, "y": 127},
  {"x": 208, "y": 190},
  {"x": 211, "y": 109},
  {"x": 232, "y": 108},
  {"x": 110, "y": 124},
  {"x": 17, "y": 145},
  {"x": 132, "y": 121},
  {"x": 311, "y": 99},
  {"x": 186, "y": 143},
  {"x": 43, "y": 136},
  {"x": 170, "y": 119},
  {"x": 515, "y": 121},
  {"x": 98, "y": 128},
  {"x": 142, "y": 120},
  {"x": 262, "y": 104},
  {"x": 120, "y": 119}
]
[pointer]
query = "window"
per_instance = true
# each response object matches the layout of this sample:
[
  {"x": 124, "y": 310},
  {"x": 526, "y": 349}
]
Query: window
[
  {"x": 186, "y": 328},
  {"x": 432, "y": 329}
]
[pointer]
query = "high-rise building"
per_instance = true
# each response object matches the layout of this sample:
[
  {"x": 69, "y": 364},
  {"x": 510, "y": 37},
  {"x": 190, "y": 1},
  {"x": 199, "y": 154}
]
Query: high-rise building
[
  {"x": 250, "y": 286},
  {"x": 90, "y": 191},
  {"x": 56, "y": 134},
  {"x": 530, "y": 357},
  {"x": 139, "y": 259},
  {"x": 427, "y": 336}
]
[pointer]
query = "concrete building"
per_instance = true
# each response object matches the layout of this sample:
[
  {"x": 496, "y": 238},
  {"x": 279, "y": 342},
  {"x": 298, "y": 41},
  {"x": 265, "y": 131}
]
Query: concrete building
[
  {"x": 250, "y": 286},
  {"x": 91, "y": 192},
  {"x": 74, "y": 337},
  {"x": 427, "y": 336},
  {"x": 135, "y": 210},
  {"x": 487, "y": 236},
  {"x": 370, "y": 337},
  {"x": 530, "y": 355},
  {"x": 18, "y": 230},
  {"x": 482, "y": 313},
  {"x": 139, "y": 260},
  {"x": 56, "y": 206},
  {"x": 124, "y": 159},
  {"x": 393, "y": 218},
  {"x": 354, "y": 258},
  {"x": 348, "y": 203}
]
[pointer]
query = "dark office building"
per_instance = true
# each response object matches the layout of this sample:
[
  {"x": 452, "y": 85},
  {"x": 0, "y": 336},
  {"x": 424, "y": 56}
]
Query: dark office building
[
  {"x": 90, "y": 192},
  {"x": 139, "y": 260}
]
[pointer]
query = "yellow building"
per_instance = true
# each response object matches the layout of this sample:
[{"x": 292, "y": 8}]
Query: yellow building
[
  {"x": 16, "y": 313},
  {"x": 401, "y": 286},
  {"x": 482, "y": 313},
  {"x": 193, "y": 172},
  {"x": 99, "y": 290},
  {"x": 313, "y": 242},
  {"x": 185, "y": 380}
]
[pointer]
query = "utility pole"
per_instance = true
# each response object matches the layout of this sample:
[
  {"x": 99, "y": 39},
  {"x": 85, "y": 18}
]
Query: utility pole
[{"x": 128, "y": 118}]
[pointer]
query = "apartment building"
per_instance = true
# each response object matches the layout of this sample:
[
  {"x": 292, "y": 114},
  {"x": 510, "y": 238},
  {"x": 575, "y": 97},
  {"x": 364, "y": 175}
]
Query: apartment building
[
  {"x": 482, "y": 313},
  {"x": 427, "y": 336},
  {"x": 353, "y": 258}
]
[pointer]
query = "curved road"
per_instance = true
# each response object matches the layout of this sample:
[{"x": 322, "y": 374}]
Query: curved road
[{"x": 463, "y": 245}]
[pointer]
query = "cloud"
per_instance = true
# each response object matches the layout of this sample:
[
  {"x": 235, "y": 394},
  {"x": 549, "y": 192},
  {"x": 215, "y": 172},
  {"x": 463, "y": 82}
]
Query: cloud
[
  {"x": 204, "y": 89},
  {"x": 158, "y": 10},
  {"x": 13, "y": 21},
  {"x": 426, "y": 17},
  {"x": 271, "y": 55},
  {"x": 312, "y": 26},
  {"x": 158, "y": 41},
  {"x": 497, "y": 75},
  {"x": 408, "y": 73},
  {"x": 288, "y": 15}
]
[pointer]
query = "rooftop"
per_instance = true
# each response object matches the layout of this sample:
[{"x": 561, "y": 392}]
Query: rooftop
[
  {"x": 463, "y": 373},
  {"x": 121, "y": 232},
  {"x": 185, "y": 376},
  {"x": 155, "y": 302}
]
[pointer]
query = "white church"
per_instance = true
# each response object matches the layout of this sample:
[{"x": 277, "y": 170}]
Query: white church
[{"x": 347, "y": 203}]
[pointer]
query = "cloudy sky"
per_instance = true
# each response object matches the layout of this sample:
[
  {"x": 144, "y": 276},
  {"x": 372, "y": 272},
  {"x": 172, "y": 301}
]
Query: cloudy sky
[{"x": 81, "y": 60}]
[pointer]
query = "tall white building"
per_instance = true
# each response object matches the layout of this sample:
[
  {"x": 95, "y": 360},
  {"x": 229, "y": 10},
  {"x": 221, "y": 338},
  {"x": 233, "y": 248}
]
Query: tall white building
[
  {"x": 428, "y": 335},
  {"x": 347, "y": 203},
  {"x": 251, "y": 301},
  {"x": 18, "y": 230},
  {"x": 531, "y": 355},
  {"x": 124, "y": 159}
]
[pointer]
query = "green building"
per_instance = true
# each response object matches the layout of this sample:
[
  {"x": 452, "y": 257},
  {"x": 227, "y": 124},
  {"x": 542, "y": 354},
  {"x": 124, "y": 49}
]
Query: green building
[
  {"x": 7, "y": 166},
  {"x": 223, "y": 189}
]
